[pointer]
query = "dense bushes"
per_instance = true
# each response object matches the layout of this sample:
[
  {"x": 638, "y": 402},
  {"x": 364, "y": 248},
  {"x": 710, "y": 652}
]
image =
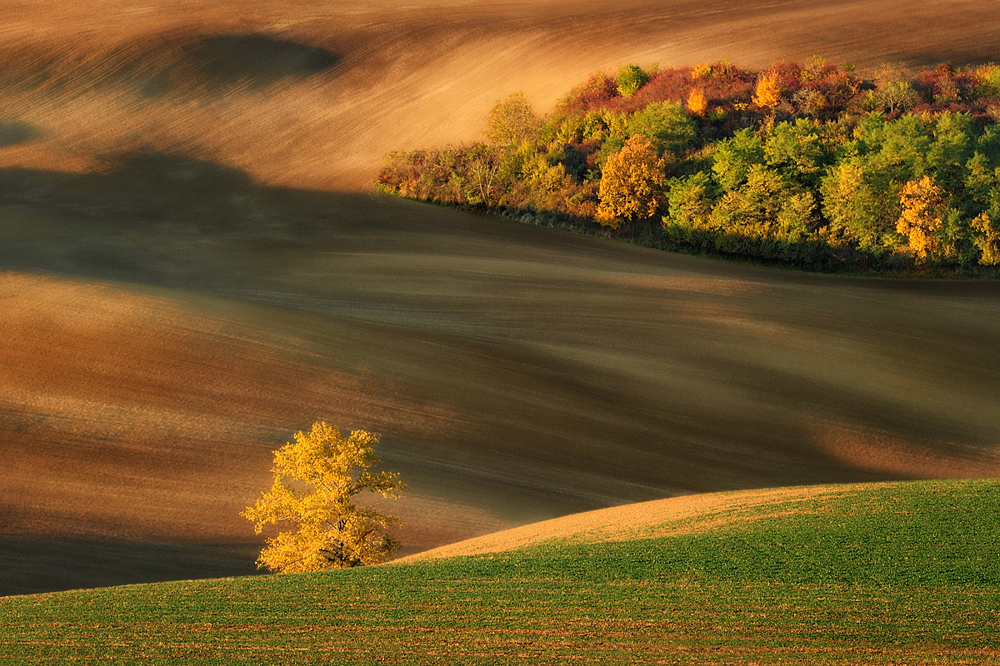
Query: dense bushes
[{"x": 810, "y": 165}]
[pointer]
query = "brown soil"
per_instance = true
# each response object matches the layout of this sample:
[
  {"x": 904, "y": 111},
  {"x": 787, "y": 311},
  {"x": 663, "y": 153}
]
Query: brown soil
[
  {"x": 172, "y": 315},
  {"x": 315, "y": 92}
]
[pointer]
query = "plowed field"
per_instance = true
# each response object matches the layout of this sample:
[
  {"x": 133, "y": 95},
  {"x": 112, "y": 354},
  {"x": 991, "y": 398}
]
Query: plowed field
[{"x": 192, "y": 268}]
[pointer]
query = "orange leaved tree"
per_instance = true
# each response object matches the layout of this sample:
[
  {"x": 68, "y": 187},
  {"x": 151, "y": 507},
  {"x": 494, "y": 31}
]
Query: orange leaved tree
[
  {"x": 315, "y": 481},
  {"x": 923, "y": 207},
  {"x": 631, "y": 183},
  {"x": 768, "y": 92},
  {"x": 696, "y": 102}
]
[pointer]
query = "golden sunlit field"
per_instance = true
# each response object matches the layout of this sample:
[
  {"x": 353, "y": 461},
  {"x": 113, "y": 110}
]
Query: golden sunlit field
[{"x": 193, "y": 265}]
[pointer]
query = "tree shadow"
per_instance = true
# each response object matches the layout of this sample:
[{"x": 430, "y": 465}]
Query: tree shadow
[
  {"x": 13, "y": 133},
  {"x": 34, "y": 564},
  {"x": 254, "y": 59}
]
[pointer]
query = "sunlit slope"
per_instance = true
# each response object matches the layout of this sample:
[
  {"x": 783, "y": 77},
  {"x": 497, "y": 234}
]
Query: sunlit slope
[
  {"x": 705, "y": 513},
  {"x": 168, "y": 320},
  {"x": 516, "y": 373},
  {"x": 890, "y": 531},
  {"x": 135, "y": 428},
  {"x": 315, "y": 92},
  {"x": 873, "y": 574}
]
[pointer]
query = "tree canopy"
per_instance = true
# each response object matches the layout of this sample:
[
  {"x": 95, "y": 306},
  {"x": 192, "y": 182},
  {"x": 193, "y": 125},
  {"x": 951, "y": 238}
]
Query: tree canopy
[
  {"x": 632, "y": 184},
  {"x": 316, "y": 479},
  {"x": 630, "y": 78},
  {"x": 811, "y": 165},
  {"x": 512, "y": 121}
]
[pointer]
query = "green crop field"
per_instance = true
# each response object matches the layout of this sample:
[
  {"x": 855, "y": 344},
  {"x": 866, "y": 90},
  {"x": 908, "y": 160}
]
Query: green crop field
[
  {"x": 195, "y": 263},
  {"x": 903, "y": 573}
]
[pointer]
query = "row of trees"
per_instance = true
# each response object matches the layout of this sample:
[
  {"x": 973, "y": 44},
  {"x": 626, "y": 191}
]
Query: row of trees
[
  {"x": 916, "y": 189},
  {"x": 807, "y": 164}
]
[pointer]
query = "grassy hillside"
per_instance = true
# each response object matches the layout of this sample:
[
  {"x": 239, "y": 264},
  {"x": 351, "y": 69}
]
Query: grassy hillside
[
  {"x": 172, "y": 316},
  {"x": 880, "y": 574}
]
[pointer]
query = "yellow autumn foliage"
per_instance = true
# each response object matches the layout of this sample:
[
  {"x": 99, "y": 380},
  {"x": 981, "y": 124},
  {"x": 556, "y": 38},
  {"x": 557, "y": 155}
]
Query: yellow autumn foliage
[
  {"x": 696, "y": 102},
  {"x": 768, "y": 92},
  {"x": 986, "y": 236},
  {"x": 315, "y": 481},
  {"x": 922, "y": 203},
  {"x": 701, "y": 72},
  {"x": 512, "y": 121},
  {"x": 631, "y": 184}
]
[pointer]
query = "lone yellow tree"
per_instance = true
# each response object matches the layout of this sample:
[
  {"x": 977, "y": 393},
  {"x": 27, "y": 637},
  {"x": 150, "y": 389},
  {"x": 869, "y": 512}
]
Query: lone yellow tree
[
  {"x": 632, "y": 183},
  {"x": 315, "y": 481}
]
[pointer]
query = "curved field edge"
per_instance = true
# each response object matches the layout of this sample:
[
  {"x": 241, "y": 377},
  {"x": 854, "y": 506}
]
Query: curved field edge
[
  {"x": 774, "y": 180},
  {"x": 669, "y": 517},
  {"x": 879, "y": 574}
]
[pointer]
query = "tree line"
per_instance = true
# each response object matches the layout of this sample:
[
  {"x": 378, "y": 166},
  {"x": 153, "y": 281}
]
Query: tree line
[{"x": 809, "y": 164}]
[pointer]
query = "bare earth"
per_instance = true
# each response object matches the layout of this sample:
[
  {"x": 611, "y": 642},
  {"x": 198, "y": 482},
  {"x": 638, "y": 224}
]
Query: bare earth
[
  {"x": 170, "y": 319},
  {"x": 644, "y": 520}
]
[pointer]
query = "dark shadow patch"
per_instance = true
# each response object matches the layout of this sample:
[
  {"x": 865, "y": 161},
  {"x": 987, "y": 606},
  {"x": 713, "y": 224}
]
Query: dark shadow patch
[
  {"x": 34, "y": 564},
  {"x": 153, "y": 171},
  {"x": 136, "y": 192},
  {"x": 13, "y": 133},
  {"x": 155, "y": 185},
  {"x": 254, "y": 60},
  {"x": 166, "y": 64}
]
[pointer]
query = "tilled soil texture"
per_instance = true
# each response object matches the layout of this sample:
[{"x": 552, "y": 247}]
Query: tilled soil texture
[
  {"x": 314, "y": 93},
  {"x": 183, "y": 288},
  {"x": 516, "y": 373}
]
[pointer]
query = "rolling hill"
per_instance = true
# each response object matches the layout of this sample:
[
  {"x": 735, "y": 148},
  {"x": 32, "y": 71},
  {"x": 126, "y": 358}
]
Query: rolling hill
[
  {"x": 873, "y": 574},
  {"x": 193, "y": 268}
]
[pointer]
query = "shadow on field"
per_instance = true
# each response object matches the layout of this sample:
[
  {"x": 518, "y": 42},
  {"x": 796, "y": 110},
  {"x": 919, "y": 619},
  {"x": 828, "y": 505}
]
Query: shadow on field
[
  {"x": 63, "y": 564},
  {"x": 172, "y": 62},
  {"x": 254, "y": 59},
  {"x": 546, "y": 373},
  {"x": 13, "y": 133}
]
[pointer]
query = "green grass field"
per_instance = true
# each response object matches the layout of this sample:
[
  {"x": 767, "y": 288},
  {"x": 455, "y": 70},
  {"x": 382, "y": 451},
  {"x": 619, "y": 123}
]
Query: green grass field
[{"x": 905, "y": 573}]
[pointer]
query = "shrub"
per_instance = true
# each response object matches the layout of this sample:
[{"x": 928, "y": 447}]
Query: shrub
[
  {"x": 666, "y": 124},
  {"x": 630, "y": 79}
]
